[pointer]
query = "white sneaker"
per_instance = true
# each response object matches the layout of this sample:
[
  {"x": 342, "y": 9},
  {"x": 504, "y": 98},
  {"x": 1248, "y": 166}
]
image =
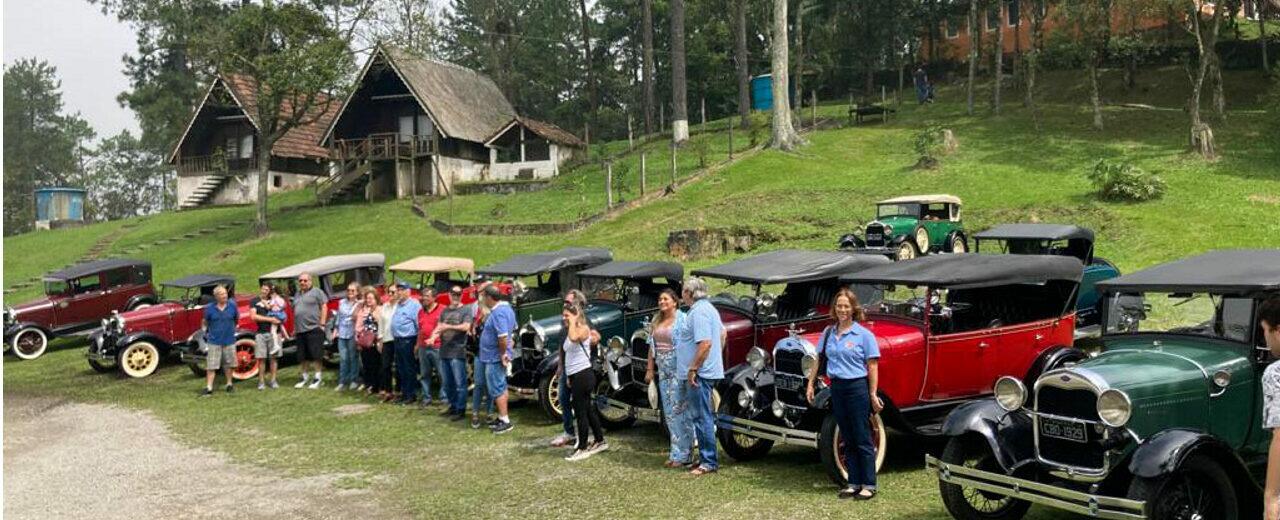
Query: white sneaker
[
  {"x": 301, "y": 383},
  {"x": 262, "y": 386},
  {"x": 338, "y": 388},
  {"x": 561, "y": 441},
  {"x": 578, "y": 455},
  {"x": 274, "y": 384},
  {"x": 360, "y": 388},
  {"x": 316, "y": 384}
]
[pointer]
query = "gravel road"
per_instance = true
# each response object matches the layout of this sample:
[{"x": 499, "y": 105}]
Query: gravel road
[{"x": 72, "y": 460}]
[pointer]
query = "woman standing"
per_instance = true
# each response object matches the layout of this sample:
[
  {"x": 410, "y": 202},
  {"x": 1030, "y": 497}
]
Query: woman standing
[
  {"x": 852, "y": 357},
  {"x": 575, "y": 357},
  {"x": 345, "y": 335},
  {"x": 368, "y": 341},
  {"x": 662, "y": 361},
  {"x": 388, "y": 348}
]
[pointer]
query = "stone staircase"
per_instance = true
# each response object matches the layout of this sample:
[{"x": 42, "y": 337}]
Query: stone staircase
[
  {"x": 205, "y": 191},
  {"x": 354, "y": 177}
]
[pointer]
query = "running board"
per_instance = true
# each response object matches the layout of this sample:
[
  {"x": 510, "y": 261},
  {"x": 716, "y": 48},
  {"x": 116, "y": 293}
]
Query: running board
[
  {"x": 644, "y": 414},
  {"x": 775, "y": 433}
]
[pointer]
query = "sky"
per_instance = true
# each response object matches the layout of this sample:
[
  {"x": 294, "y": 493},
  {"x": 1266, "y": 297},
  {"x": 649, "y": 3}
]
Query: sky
[{"x": 85, "y": 45}]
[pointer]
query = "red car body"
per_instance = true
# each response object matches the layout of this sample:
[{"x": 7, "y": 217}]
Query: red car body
[{"x": 76, "y": 299}]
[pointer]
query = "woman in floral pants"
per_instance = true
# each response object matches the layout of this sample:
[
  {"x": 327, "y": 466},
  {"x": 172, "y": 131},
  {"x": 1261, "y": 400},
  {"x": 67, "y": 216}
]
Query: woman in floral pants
[{"x": 662, "y": 359}]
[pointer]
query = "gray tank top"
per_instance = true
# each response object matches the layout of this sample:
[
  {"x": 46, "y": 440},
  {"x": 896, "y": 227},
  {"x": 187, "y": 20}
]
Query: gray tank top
[{"x": 576, "y": 357}]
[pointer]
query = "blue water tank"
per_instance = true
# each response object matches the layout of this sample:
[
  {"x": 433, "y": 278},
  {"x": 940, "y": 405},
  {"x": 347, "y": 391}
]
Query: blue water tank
[
  {"x": 762, "y": 92},
  {"x": 59, "y": 204}
]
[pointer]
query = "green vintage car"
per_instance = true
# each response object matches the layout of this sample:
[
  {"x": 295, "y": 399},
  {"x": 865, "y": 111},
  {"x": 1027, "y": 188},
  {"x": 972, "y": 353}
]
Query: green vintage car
[
  {"x": 536, "y": 281},
  {"x": 911, "y": 226},
  {"x": 1163, "y": 422}
]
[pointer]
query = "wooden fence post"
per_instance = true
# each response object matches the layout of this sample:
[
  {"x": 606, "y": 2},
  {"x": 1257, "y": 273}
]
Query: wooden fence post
[
  {"x": 731, "y": 125},
  {"x": 662, "y": 117},
  {"x": 643, "y": 167},
  {"x": 608, "y": 185},
  {"x": 813, "y": 104},
  {"x": 630, "y": 142},
  {"x": 673, "y": 165},
  {"x": 704, "y": 115}
]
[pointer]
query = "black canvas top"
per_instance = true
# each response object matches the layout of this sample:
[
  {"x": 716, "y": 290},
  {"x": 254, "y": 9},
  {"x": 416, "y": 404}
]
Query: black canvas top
[
  {"x": 95, "y": 266},
  {"x": 1035, "y": 232},
  {"x": 792, "y": 265},
  {"x": 636, "y": 270},
  {"x": 1227, "y": 271},
  {"x": 969, "y": 270},
  {"x": 201, "y": 280},
  {"x": 531, "y": 264}
]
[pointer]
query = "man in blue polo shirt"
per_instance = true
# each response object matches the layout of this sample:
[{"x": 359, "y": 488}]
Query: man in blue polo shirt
[
  {"x": 404, "y": 331},
  {"x": 219, "y": 324},
  {"x": 699, "y": 358},
  {"x": 495, "y": 352}
]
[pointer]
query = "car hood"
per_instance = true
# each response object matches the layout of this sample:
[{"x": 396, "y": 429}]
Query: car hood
[
  {"x": 142, "y": 318},
  {"x": 599, "y": 314},
  {"x": 32, "y": 305},
  {"x": 900, "y": 224}
]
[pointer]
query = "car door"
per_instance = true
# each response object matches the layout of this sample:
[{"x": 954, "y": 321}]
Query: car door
[
  {"x": 117, "y": 288},
  {"x": 954, "y": 368},
  {"x": 88, "y": 302}
]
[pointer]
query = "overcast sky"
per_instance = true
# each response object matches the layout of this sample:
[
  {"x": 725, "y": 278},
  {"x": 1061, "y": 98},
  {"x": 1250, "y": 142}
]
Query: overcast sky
[{"x": 85, "y": 45}]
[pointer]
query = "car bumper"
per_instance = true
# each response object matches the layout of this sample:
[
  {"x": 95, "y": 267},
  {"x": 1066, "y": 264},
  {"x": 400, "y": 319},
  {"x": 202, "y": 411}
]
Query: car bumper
[
  {"x": 777, "y": 434},
  {"x": 882, "y": 250},
  {"x": 1095, "y": 506},
  {"x": 643, "y": 413}
]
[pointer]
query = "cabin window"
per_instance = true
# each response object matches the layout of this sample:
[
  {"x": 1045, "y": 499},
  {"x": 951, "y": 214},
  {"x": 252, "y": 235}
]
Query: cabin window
[
  {"x": 424, "y": 126},
  {"x": 537, "y": 150},
  {"x": 953, "y": 29},
  {"x": 232, "y": 144},
  {"x": 993, "y": 18},
  {"x": 117, "y": 277},
  {"x": 246, "y": 146},
  {"x": 406, "y": 128},
  {"x": 86, "y": 284},
  {"x": 1015, "y": 13},
  {"x": 277, "y": 181}
]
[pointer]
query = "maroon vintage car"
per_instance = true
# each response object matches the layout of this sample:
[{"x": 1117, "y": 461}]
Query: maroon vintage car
[
  {"x": 331, "y": 273},
  {"x": 953, "y": 325},
  {"x": 76, "y": 299},
  {"x": 135, "y": 342}
]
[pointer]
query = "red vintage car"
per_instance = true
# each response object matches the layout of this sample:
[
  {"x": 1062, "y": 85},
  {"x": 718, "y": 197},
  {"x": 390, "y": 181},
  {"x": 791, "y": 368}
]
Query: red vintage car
[
  {"x": 76, "y": 299},
  {"x": 135, "y": 342},
  {"x": 331, "y": 274},
  {"x": 951, "y": 325}
]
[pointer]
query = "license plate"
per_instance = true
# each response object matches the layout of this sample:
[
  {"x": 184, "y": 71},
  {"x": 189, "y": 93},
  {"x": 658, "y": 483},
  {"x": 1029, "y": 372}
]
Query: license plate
[
  {"x": 1063, "y": 429},
  {"x": 874, "y": 236},
  {"x": 788, "y": 382}
]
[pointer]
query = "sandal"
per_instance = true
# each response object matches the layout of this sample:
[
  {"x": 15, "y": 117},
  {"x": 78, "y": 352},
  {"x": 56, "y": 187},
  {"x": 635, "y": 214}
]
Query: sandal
[
  {"x": 700, "y": 471},
  {"x": 671, "y": 464},
  {"x": 871, "y": 493}
]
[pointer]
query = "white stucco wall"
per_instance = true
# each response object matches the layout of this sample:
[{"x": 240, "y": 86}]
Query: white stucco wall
[
  {"x": 541, "y": 169},
  {"x": 241, "y": 189}
]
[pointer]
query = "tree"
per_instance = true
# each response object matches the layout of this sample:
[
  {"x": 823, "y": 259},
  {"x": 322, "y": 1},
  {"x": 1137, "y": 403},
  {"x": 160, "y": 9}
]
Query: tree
[
  {"x": 42, "y": 145},
  {"x": 647, "y": 38},
  {"x": 410, "y": 25},
  {"x": 591, "y": 78},
  {"x": 1091, "y": 21},
  {"x": 1201, "y": 137},
  {"x": 1031, "y": 61},
  {"x": 126, "y": 179},
  {"x": 974, "y": 34},
  {"x": 998, "y": 79},
  {"x": 292, "y": 58},
  {"x": 1263, "y": 13},
  {"x": 740, "y": 60},
  {"x": 679, "y": 85},
  {"x": 784, "y": 136}
]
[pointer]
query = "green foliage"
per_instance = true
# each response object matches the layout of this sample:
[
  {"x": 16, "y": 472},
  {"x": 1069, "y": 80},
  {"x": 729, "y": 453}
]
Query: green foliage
[
  {"x": 1122, "y": 181},
  {"x": 126, "y": 179},
  {"x": 928, "y": 144}
]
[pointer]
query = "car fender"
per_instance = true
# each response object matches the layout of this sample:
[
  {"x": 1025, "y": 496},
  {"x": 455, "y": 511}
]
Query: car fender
[
  {"x": 951, "y": 236},
  {"x": 1008, "y": 434},
  {"x": 13, "y": 329},
  {"x": 140, "y": 298},
  {"x": 852, "y": 241},
  {"x": 134, "y": 337},
  {"x": 1164, "y": 452},
  {"x": 548, "y": 365},
  {"x": 1050, "y": 358}
]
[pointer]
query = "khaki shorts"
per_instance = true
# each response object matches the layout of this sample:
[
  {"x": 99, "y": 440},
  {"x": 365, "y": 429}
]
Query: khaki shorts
[
  {"x": 264, "y": 346},
  {"x": 219, "y": 356}
]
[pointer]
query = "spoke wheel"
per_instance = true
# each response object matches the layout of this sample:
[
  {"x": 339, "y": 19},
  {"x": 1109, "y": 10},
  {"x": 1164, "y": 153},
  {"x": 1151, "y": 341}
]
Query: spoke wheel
[
  {"x": 740, "y": 446},
  {"x": 139, "y": 359},
  {"x": 831, "y": 447},
  {"x": 30, "y": 343},
  {"x": 549, "y": 396},
  {"x": 1198, "y": 490},
  {"x": 100, "y": 367},
  {"x": 139, "y": 305},
  {"x": 906, "y": 251},
  {"x": 922, "y": 240},
  {"x": 612, "y": 418},
  {"x": 973, "y": 504},
  {"x": 958, "y": 245},
  {"x": 245, "y": 365}
]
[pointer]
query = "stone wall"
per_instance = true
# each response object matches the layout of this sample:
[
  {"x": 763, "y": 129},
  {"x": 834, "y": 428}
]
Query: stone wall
[{"x": 241, "y": 189}]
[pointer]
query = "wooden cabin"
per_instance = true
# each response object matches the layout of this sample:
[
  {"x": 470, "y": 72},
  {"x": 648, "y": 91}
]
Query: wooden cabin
[{"x": 216, "y": 159}]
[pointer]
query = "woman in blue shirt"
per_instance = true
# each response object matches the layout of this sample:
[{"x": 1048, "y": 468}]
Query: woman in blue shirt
[
  {"x": 852, "y": 359},
  {"x": 662, "y": 363}
]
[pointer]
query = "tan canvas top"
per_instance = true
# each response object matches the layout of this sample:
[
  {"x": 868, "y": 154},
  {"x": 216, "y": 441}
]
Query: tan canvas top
[
  {"x": 922, "y": 199},
  {"x": 328, "y": 264},
  {"x": 436, "y": 264}
]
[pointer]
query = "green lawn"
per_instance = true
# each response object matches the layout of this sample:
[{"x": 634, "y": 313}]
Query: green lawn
[{"x": 1005, "y": 171}]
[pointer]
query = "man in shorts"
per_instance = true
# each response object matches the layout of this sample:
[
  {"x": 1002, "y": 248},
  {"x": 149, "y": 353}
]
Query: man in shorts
[
  {"x": 264, "y": 341},
  {"x": 310, "y": 314},
  {"x": 219, "y": 325},
  {"x": 496, "y": 351}
]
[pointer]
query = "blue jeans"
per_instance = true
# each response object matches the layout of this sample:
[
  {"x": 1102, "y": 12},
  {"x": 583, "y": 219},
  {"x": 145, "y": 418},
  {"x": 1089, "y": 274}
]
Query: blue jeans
[
  {"x": 851, "y": 404},
  {"x": 566, "y": 408},
  {"x": 453, "y": 375},
  {"x": 348, "y": 361},
  {"x": 704, "y": 420},
  {"x": 675, "y": 407},
  {"x": 406, "y": 367},
  {"x": 428, "y": 360},
  {"x": 481, "y": 401}
]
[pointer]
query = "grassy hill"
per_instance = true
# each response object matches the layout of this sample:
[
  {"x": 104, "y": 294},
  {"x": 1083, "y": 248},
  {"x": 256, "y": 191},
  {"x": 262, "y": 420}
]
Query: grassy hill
[{"x": 1005, "y": 171}]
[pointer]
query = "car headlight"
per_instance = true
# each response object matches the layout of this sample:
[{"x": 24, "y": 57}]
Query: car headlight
[
  {"x": 9, "y": 316},
  {"x": 106, "y": 324},
  {"x": 1114, "y": 408},
  {"x": 808, "y": 363},
  {"x": 758, "y": 358},
  {"x": 617, "y": 348},
  {"x": 1011, "y": 394},
  {"x": 745, "y": 398},
  {"x": 119, "y": 322},
  {"x": 888, "y": 230}
]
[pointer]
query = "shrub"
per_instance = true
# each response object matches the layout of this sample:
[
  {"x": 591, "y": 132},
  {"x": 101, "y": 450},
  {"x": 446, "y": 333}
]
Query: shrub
[
  {"x": 1124, "y": 181},
  {"x": 928, "y": 144}
]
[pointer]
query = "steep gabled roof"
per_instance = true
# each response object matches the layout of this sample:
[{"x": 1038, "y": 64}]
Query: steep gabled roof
[
  {"x": 300, "y": 142},
  {"x": 542, "y": 129}
]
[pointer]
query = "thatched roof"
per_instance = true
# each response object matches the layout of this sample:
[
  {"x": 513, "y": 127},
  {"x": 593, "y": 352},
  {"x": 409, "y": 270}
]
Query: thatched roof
[
  {"x": 542, "y": 129},
  {"x": 300, "y": 142}
]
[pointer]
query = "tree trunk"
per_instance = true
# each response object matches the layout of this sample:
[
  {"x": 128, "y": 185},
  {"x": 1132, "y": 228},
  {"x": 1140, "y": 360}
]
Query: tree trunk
[
  {"x": 999, "y": 66},
  {"x": 741, "y": 58},
  {"x": 784, "y": 134},
  {"x": 679, "y": 86},
  {"x": 647, "y": 69},
  {"x": 1262, "y": 35},
  {"x": 265, "y": 143},
  {"x": 974, "y": 31},
  {"x": 799, "y": 73},
  {"x": 1095, "y": 97},
  {"x": 1219, "y": 98},
  {"x": 1201, "y": 136},
  {"x": 586, "y": 53}
]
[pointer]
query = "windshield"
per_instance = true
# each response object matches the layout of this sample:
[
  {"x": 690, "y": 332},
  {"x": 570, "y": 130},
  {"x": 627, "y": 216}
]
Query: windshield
[
  {"x": 903, "y": 302},
  {"x": 893, "y": 210},
  {"x": 1198, "y": 314},
  {"x": 55, "y": 288}
]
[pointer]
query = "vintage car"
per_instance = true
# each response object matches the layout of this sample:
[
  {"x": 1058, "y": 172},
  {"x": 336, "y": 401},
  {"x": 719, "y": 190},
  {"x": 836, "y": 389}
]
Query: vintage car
[
  {"x": 439, "y": 273},
  {"x": 908, "y": 227},
  {"x": 1057, "y": 239},
  {"x": 621, "y": 298},
  {"x": 135, "y": 342},
  {"x": 331, "y": 275},
  {"x": 949, "y": 328},
  {"x": 76, "y": 299},
  {"x": 1165, "y": 422},
  {"x": 536, "y": 281},
  {"x": 807, "y": 279}
]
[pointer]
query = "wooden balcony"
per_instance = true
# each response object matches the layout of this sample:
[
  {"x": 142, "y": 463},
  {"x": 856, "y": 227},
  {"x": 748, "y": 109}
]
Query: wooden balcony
[
  {"x": 210, "y": 164},
  {"x": 387, "y": 146}
]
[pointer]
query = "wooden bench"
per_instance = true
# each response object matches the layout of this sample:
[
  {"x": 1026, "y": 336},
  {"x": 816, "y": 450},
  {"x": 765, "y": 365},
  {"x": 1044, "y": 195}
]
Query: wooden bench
[{"x": 859, "y": 112}]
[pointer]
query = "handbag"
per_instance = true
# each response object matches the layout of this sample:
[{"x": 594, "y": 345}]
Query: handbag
[{"x": 366, "y": 338}]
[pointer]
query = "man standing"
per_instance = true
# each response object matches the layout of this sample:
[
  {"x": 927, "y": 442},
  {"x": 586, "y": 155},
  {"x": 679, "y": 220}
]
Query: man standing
[
  {"x": 427, "y": 349},
  {"x": 264, "y": 340},
  {"x": 495, "y": 353},
  {"x": 310, "y": 315},
  {"x": 451, "y": 333},
  {"x": 1269, "y": 323},
  {"x": 404, "y": 331},
  {"x": 698, "y": 356},
  {"x": 921, "y": 80},
  {"x": 220, "y": 319}
]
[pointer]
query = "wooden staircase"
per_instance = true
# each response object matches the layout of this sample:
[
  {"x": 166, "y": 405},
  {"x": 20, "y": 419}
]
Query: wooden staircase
[
  {"x": 205, "y": 191},
  {"x": 354, "y": 177}
]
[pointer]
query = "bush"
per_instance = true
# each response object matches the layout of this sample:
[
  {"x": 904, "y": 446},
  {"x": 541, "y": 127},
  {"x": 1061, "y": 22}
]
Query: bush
[
  {"x": 1124, "y": 181},
  {"x": 928, "y": 144}
]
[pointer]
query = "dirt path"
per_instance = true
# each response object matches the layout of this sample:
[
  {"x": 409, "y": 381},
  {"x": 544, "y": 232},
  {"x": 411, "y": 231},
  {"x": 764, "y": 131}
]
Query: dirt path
[{"x": 71, "y": 460}]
